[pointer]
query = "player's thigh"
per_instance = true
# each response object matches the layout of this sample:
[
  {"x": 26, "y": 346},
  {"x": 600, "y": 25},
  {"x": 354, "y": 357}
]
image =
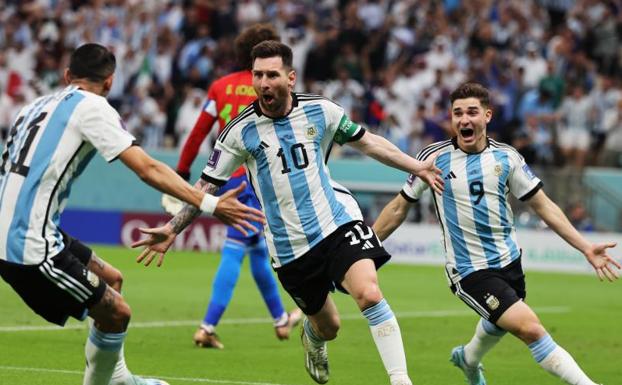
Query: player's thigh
[
  {"x": 58, "y": 288},
  {"x": 361, "y": 281},
  {"x": 96, "y": 265}
]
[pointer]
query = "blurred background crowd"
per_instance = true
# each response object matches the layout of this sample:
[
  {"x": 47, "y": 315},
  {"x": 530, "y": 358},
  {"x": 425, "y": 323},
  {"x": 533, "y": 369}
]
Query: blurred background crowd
[{"x": 553, "y": 66}]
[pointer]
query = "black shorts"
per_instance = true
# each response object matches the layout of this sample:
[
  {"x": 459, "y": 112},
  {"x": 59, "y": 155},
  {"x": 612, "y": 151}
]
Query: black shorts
[
  {"x": 310, "y": 278},
  {"x": 59, "y": 287},
  {"x": 491, "y": 292}
]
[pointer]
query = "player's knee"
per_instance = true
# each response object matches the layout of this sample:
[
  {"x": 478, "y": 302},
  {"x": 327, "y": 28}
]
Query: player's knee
[
  {"x": 531, "y": 332},
  {"x": 369, "y": 296},
  {"x": 116, "y": 280},
  {"x": 329, "y": 330}
]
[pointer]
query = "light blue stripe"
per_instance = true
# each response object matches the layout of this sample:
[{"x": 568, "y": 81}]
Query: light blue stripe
[
  {"x": 46, "y": 147},
  {"x": 463, "y": 260},
  {"x": 251, "y": 140},
  {"x": 491, "y": 328},
  {"x": 298, "y": 183},
  {"x": 542, "y": 347},
  {"x": 315, "y": 115},
  {"x": 378, "y": 313},
  {"x": 480, "y": 212},
  {"x": 111, "y": 342},
  {"x": 502, "y": 157}
]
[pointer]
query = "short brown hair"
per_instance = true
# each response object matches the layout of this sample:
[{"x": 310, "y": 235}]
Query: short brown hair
[
  {"x": 249, "y": 38},
  {"x": 471, "y": 90},
  {"x": 273, "y": 48}
]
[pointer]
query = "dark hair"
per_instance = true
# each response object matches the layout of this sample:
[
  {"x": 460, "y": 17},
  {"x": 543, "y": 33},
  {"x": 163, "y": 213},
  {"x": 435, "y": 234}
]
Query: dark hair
[
  {"x": 273, "y": 48},
  {"x": 471, "y": 90},
  {"x": 249, "y": 38},
  {"x": 93, "y": 62}
]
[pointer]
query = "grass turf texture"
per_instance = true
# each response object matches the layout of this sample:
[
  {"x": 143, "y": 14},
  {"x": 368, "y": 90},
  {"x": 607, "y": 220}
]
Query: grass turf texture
[{"x": 581, "y": 313}]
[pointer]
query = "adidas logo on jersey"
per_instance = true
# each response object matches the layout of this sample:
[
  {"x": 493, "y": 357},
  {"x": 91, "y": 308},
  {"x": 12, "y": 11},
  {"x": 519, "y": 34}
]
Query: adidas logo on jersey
[
  {"x": 263, "y": 145},
  {"x": 451, "y": 175},
  {"x": 368, "y": 245}
]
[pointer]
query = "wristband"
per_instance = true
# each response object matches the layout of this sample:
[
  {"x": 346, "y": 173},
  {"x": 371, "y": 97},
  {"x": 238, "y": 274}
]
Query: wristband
[{"x": 208, "y": 204}]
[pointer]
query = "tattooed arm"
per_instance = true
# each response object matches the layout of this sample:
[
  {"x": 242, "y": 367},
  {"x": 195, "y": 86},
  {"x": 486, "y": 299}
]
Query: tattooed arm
[{"x": 229, "y": 209}]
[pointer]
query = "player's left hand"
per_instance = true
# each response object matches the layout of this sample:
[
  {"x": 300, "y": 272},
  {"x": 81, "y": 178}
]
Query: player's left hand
[
  {"x": 158, "y": 243},
  {"x": 602, "y": 262},
  {"x": 431, "y": 174}
]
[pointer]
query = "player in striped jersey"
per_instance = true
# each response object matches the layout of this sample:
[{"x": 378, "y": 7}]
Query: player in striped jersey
[
  {"x": 314, "y": 229},
  {"x": 51, "y": 142},
  {"x": 483, "y": 262},
  {"x": 225, "y": 98}
]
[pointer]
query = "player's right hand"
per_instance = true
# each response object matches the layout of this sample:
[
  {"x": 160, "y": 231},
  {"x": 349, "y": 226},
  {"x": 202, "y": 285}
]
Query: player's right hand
[
  {"x": 171, "y": 204},
  {"x": 236, "y": 214}
]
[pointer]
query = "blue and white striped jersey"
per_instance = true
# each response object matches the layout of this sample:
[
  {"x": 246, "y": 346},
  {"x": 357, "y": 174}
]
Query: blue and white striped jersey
[
  {"x": 50, "y": 143},
  {"x": 474, "y": 212},
  {"x": 286, "y": 163}
]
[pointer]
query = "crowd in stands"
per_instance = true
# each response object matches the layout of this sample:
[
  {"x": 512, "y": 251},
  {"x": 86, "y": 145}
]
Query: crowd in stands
[{"x": 553, "y": 66}]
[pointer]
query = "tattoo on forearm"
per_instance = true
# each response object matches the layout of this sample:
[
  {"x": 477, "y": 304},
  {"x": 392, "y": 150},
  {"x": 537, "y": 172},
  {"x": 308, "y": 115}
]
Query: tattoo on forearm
[{"x": 189, "y": 212}]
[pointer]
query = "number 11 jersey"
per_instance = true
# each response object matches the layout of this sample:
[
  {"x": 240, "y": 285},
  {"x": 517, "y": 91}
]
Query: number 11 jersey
[{"x": 286, "y": 162}]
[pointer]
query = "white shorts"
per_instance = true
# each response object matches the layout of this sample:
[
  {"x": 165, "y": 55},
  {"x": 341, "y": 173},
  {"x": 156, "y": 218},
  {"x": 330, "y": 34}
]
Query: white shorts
[{"x": 572, "y": 138}]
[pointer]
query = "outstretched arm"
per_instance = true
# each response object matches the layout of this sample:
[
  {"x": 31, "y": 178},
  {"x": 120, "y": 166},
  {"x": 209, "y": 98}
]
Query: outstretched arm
[
  {"x": 386, "y": 152},
  {"x": 161, "y": 238},
  {"x": 391, "y": 217},
  {"x": 596, "y": 254}
]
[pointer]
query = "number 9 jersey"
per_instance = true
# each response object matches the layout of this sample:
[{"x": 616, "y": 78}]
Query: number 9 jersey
[
  {"x": 474, "y": 212},
  {"x": 286, "y": 162}
]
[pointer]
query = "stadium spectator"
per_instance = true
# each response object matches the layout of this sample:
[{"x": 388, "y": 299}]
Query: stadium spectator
[
  {"x": 314, "y": 227},
  {"x": 55, "y": 275},
  {"x": 576, "y": 115},
  {"x": 484, "y": 265}
]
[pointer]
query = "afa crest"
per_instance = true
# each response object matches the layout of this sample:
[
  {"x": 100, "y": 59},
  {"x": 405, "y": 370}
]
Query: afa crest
[
  {"x": 310, "y": 131},
  {"x": 498, "y": 170},
  {"x": 492, "y": 302}
]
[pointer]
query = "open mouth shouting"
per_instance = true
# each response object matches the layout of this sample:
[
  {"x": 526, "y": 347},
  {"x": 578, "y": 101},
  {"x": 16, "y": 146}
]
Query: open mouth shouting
[
  {"x": 268, "y": 99},
  {"x": 467, "y": 133}
]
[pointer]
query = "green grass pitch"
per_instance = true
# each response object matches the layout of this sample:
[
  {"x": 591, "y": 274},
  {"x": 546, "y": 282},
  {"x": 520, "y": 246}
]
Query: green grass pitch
[{"x": 581, "y": 313}]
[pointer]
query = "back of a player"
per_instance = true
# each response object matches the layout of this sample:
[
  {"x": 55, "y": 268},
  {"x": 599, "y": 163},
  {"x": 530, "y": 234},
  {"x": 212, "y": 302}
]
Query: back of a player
[{"x": 48, "y": 147}]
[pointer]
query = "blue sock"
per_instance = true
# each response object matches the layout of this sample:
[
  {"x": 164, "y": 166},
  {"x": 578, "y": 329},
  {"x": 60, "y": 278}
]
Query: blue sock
[
  {"x": 264, "y": 278},
  {"x": 542, "y": 347},
  {"x": 378, "y": 313},
  {"x": 225, "y": 280}
]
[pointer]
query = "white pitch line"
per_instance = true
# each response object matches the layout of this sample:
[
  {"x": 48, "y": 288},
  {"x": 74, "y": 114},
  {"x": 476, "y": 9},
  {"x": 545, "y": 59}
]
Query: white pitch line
[
  {"x": 246, "y": 321},
  {"x": 187, "y": 379}
]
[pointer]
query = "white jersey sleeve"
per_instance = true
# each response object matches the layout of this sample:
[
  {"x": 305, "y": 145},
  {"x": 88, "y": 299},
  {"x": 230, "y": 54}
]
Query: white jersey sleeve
[
  {"x": 413, "y": 188},
  {"x": 339, "y": 126},
  {"x": 228, "y": 155},
  {"x": 102, "y": 126},
  {"x": 523, "y": 183}
]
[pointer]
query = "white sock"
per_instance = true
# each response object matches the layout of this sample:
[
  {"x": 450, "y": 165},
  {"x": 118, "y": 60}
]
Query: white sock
[
  {"x": 121, "y": 374},
  {"x": 102, "y": 353},
  {"x": 555, "y": 360},
  {"x": 388, "y": 338},
  {"x": 487, "y": 335}
]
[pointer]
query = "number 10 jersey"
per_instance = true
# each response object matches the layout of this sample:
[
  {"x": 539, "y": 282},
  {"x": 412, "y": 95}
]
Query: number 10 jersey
[{"x": 286, "y": 162}]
